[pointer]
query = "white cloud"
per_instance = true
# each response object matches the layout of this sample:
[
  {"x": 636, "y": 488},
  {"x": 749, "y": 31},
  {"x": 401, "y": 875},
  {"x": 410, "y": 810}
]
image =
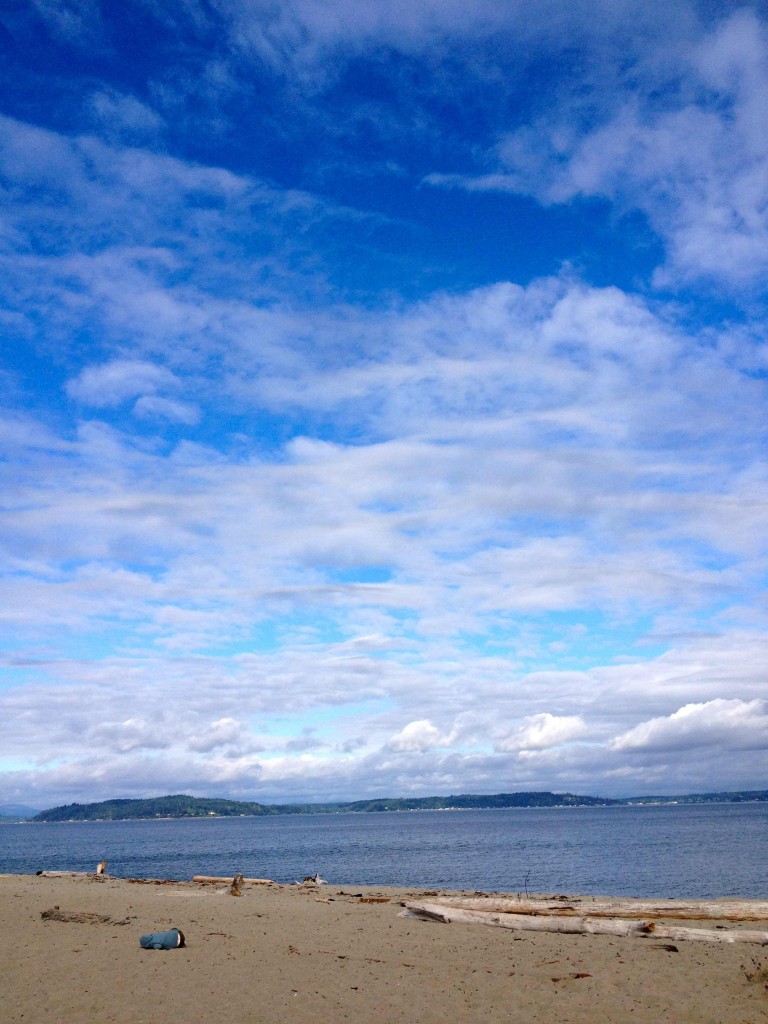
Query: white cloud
[
  {"x": 223, "y": 732},
  {"x": 156, "y": 407},
  {"x": 416, "y": 736},
  {"x": 75, "y": 21},
  {"x": 218, "y": 724},
  {"x": 733, "y": 724},
  {"x": 121, "y": 116},
  {"x": 128, "y": 735},
  {"x": 552, "y": 448},
  {"x": 119, "y": 380},
  {"x": 544, "y": 730},
  {"x": 686, "y": 146},
  {"x": 306, "y": 33}
]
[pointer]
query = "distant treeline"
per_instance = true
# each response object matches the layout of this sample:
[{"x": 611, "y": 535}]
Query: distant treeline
[
  {"x": 744, "y": 796},
  {"x": 156, "y": 807},
  {"x": 181, "y": 806}
]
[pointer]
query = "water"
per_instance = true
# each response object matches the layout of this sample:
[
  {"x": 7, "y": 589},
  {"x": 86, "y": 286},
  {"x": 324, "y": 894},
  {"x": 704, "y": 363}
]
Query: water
[{"x": 704, "y": 850}]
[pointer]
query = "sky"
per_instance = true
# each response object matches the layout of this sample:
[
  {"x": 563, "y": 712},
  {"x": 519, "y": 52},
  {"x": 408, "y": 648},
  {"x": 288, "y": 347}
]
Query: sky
[{"x": 384, "y": 398}]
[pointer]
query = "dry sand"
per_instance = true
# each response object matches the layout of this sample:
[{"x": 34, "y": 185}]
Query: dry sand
[{"x": 323, "y": 954}]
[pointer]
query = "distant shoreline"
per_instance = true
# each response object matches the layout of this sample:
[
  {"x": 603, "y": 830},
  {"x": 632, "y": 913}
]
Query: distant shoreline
[{"x": 184, "y": 807}]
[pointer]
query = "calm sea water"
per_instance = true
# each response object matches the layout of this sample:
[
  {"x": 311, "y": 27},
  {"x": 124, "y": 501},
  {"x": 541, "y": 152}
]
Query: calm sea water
[{"x": 705, "y": 850}]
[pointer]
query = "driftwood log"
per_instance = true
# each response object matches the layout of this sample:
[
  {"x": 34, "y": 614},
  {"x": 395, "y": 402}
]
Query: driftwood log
[
  {"x": 579, "y": 925},
  {"x": 601, "y": 906}
]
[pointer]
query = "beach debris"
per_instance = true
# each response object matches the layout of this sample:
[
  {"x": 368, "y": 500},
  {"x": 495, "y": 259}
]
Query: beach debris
[
  {"x": 313, "y": 880},
  {"x": 80, "y": 917},
  {"x": 757, "y": 972},
  {"x": 219, "y": 879},
  {"x": 236, "y": 888},
  {"x": 65, "y": 874},
  {"x": 172, "y": 939},
  {"x": 578, "y": 925},
  {"x": 153, "y": 881}
]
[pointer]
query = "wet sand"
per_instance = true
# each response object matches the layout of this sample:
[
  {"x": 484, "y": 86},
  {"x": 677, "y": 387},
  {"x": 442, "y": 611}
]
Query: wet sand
[{"x": 325, "y": 954}]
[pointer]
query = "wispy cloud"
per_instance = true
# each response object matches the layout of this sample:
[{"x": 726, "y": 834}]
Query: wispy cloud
[{"x": 694, "y": 160}]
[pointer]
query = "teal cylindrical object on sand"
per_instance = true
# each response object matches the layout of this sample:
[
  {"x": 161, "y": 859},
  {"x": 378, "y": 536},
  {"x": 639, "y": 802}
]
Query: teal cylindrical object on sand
[{"x": 163, "y": 940}]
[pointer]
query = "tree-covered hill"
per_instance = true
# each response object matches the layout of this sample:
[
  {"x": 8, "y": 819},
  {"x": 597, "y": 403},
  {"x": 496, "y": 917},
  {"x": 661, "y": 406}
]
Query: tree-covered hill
[
  {"x": 181, "y": 806},
  {"x": 178, "y": 806}
]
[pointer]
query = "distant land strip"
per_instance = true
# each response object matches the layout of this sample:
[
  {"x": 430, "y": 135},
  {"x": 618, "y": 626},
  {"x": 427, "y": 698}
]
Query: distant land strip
[{"x": 181, "y": 806}]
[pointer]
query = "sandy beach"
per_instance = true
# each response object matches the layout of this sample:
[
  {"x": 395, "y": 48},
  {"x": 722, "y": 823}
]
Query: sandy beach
[{"x": 329, "y": 953}]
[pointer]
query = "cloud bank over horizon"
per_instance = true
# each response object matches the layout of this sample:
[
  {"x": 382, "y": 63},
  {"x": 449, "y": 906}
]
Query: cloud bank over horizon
[{"x": 384, "y": 399}]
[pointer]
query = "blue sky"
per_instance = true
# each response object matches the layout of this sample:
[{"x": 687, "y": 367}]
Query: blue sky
[{"x": 384, "y": 398}]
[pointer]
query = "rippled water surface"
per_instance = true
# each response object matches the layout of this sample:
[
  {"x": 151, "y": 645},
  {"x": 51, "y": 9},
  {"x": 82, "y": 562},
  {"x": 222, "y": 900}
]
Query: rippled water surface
[{"x": 704, "y": 850}]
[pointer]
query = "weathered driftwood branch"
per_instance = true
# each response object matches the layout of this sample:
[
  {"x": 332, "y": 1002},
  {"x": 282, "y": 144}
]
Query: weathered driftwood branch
[
  {"x": 600, "y": 906},
  {"x": 579, "y": 925},
  {"x": 80, "y": 917}
]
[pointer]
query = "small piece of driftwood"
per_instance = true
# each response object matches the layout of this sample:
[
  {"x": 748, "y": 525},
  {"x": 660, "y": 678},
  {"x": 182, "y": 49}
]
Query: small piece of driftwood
[
  {"x": 80, "y": 917},
  {"x": 579, "y": 925}
]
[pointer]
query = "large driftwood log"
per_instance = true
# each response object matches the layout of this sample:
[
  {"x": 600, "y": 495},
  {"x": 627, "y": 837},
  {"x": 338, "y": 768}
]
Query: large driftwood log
[
  {"x": 579, "y": 925},
  {"x": 601, "y": 906},
  {"x": 518, "y": 922}
]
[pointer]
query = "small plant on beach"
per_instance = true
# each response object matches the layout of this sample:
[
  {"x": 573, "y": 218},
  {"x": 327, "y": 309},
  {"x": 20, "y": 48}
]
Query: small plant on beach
[{"x": 756, "y": 971}]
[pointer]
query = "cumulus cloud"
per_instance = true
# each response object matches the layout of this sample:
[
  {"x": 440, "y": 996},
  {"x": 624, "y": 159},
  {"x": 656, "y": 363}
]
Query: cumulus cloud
[
  {"x": 416, "y": 736},
  {"x": 544, "y": 730},
  {"x": 129, "y": 735},
  {"x": 244, "y": 731},
  {"x": 734, "y": 723}
]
